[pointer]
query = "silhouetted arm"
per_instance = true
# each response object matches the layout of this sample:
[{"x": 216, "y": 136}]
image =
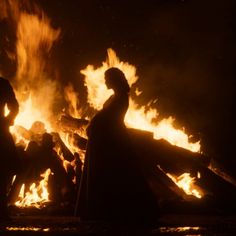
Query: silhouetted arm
[{"x": 12, "y": 105}]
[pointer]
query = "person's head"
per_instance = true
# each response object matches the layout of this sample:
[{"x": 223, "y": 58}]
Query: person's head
[{"x": 115, "y": 79}]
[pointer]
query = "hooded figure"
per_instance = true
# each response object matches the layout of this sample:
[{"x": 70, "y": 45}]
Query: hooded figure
[{"x": 112, "y": 186}]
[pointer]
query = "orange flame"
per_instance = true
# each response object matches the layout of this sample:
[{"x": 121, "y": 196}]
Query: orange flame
[
  {"x": 36, "y": 92},
  {"x": 140, "y": 117},
  {"x": 71, "y": 97},
  {"x": 186, "y": 182},
  {"x": 37, "y": 194},
  {"x": 95, "y": 83},
  {"x": 35, "y": 38},
  {"x": 136, "y": 117}
]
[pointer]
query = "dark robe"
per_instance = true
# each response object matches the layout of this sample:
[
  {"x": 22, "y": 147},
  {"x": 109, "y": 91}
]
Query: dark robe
[
  {"x": 8, "y": 154},
  {"x": 112, "y": 186}
]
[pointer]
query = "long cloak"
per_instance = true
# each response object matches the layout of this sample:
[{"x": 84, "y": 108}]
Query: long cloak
[{"x": 112, "y": 186}]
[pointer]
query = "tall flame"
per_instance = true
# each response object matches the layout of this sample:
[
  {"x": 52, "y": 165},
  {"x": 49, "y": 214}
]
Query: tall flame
[
  {"x": 140, "y": 117},
  {"x": 95, "y": 83},
  {"x": 136, "y": 117},
  {"x": 34, "y": 88},
  {"x": 36, "y": 91},
  {"x": 72, "y": 99},
  {"x": 35, "y": 37}
]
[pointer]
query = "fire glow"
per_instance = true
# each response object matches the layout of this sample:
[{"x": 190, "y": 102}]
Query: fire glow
[
  {"x": 136, "y": 117},
  {"x": 186, "y": 182},
  {"x": 36, "y": 93},
  {"x": 37, "y": 194}
]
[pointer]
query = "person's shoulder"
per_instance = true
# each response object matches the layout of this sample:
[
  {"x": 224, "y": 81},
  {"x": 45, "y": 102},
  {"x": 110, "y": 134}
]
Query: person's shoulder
[{"x": 4, "y": 82}]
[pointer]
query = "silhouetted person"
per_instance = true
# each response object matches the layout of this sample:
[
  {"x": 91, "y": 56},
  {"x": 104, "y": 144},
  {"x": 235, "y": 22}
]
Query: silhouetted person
[
  {"x": 59, "y": 182},
  {"x": 22, "y": 172},
  {"x": 7, "y": 147},
  {"x": 112, "y": 186}
]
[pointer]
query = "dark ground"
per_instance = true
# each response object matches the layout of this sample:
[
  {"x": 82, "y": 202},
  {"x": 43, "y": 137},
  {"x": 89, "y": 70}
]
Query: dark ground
[{"x": 173, "y": 224}]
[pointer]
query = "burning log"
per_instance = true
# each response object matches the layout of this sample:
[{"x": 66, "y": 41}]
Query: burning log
[
  {"x": 171, "y": 158},
  {"x": 79, "y": 141},
  {"x": 163, "y": 187},
  {"x": 38, "y": 159},
  {"x": 63, "y": 149},
  {"x": 178, "y": 160},
  {"x": 218, "y": 192},
  {"x": 29, "y": 171},
  {"x": 72, "y": 124},
  {"x": 37, "y": 130},
  {"x": 221, "y": 193},
  {"x": 78, "y": 170},
  {"x": 23, "y": 132},
  {"x": 33, "y": 134},
  {"x": 59, "y": 183},
  {"x": 152, "y": 159}
]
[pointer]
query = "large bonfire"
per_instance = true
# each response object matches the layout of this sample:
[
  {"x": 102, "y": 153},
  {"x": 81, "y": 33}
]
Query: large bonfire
[{"x": 37, "y": 91}]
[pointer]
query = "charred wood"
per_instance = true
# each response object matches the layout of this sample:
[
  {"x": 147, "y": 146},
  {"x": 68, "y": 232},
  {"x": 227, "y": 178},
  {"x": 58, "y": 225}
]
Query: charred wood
[
  {"x": 71, "y": 123},
  {"x": 79, "y": 141},
  {"x": 67, "y": 154},
  {"x": 171, "y": 158}
]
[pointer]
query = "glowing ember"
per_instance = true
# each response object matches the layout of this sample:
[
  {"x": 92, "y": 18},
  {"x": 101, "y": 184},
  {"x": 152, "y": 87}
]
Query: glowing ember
[
  {"x": 37, "y": 194},
  {"x": 186, "y": 182}
]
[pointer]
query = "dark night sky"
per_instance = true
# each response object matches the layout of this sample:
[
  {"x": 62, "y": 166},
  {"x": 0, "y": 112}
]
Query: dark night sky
[{"x": 184, "y": 52}]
